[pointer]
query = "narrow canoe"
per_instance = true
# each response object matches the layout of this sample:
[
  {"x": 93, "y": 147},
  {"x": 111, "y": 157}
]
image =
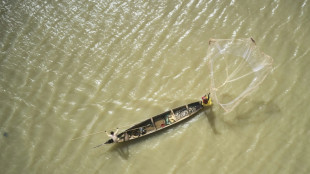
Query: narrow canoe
[{"x": 160, "y": 122}]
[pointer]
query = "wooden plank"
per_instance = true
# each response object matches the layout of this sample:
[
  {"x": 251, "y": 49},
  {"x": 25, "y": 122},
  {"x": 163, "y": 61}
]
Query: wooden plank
[
  {"x": 153, "y": 123},
  {"x": 173, "y": 116},
  {"x": 172, "y": 112}
]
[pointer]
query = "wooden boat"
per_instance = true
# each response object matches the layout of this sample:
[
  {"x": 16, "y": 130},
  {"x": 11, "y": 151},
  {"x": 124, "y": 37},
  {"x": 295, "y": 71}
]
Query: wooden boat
[{"x": 160, "y": 122}]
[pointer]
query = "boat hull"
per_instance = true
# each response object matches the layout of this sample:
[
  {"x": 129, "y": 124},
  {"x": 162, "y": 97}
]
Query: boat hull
[{"x": 159, "y": 122}]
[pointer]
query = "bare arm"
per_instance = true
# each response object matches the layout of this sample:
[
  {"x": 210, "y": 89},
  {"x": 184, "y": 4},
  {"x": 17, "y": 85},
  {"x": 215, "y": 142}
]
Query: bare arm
[{"x": 107, "y": 133}]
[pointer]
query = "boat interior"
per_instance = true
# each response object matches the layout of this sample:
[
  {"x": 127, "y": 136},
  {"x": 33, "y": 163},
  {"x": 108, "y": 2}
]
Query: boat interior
[{"x": 159, "y": 122}]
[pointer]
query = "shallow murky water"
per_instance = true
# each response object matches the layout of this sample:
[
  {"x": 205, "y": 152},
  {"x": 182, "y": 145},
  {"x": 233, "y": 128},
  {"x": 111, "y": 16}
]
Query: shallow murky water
[{"x": 74, "y": 68}]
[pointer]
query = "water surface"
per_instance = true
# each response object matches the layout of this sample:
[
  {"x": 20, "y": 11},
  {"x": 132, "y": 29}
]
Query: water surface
[{"x": 73, "y": 68}]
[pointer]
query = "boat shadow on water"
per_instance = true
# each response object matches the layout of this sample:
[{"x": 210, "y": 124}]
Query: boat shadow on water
[
  {"x": 211, "y": 119},
  {"x": 269, "y": 108},
  {"x": 123, "y": 149}
]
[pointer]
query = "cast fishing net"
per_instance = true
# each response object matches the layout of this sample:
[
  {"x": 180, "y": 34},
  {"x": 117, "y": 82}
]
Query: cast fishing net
[{"x": 237, "y": 69}]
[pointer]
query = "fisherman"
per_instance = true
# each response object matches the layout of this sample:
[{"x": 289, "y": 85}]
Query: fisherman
[
  {"x": 113, "y": 135},
  {"x": 205, "y": 100}
]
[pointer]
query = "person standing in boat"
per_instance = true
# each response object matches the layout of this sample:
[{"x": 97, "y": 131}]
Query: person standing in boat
[
  {"x": 113, "y": 135},
  {"x": 205, "y": 99}
]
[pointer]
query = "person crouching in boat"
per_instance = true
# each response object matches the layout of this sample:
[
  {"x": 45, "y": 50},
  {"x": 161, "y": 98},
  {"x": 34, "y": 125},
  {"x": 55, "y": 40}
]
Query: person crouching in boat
[
  {"x": 206, "y": 101},
  {"x": 113, "y": 135}
]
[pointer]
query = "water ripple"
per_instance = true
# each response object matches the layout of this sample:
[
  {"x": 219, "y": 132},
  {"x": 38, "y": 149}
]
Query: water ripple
[{"x": 73, "y": 68}]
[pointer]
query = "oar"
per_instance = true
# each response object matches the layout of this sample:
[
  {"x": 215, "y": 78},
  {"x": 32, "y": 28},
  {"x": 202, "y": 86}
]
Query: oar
[
  {"x": 98, "y": 145},
  {"x": 86, "y": 135}
]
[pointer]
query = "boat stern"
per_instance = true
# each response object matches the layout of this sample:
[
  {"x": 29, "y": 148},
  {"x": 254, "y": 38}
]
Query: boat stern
[{"x": 209, "y": 103}]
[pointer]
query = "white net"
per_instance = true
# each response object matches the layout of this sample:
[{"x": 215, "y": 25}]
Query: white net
[{"x": 237, "y": 68}]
